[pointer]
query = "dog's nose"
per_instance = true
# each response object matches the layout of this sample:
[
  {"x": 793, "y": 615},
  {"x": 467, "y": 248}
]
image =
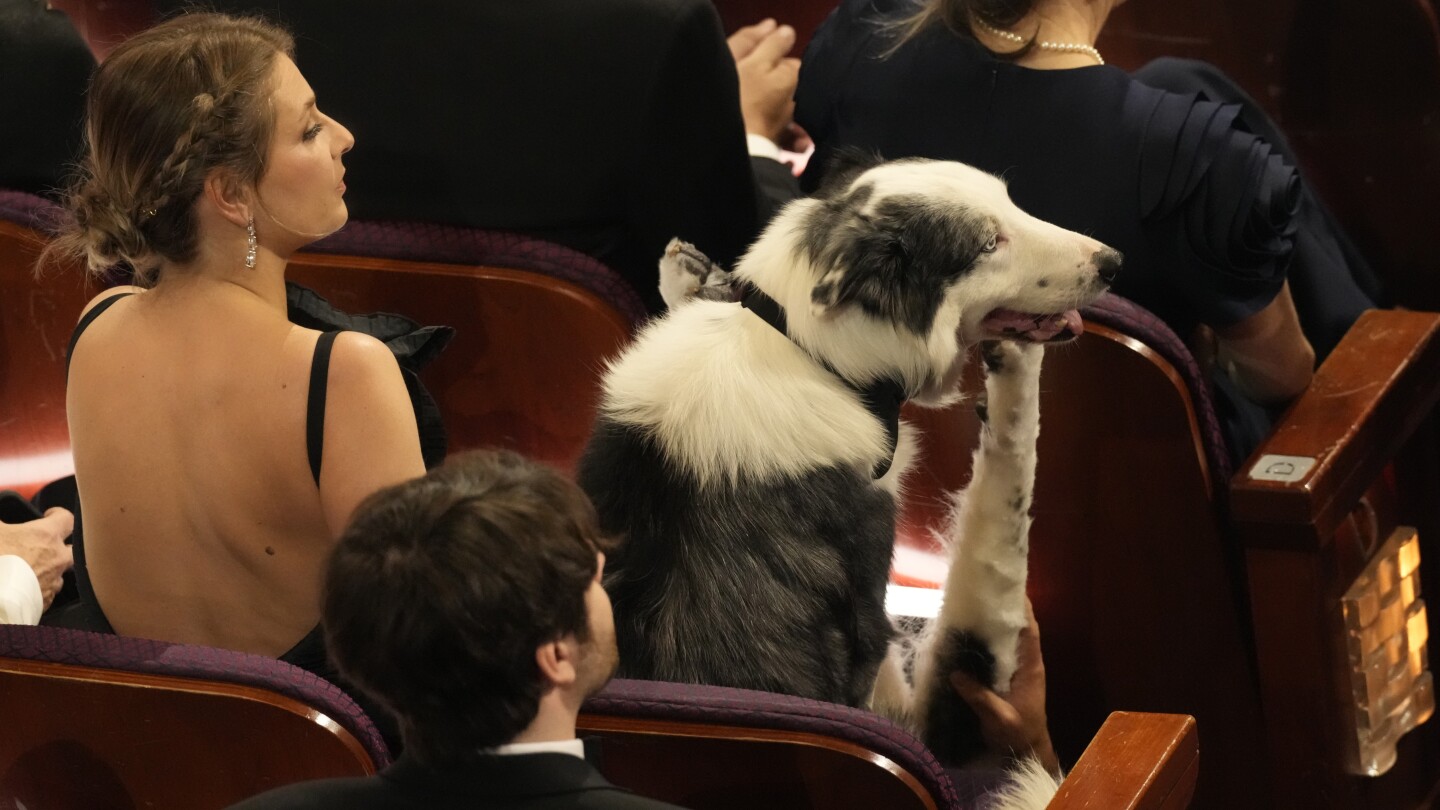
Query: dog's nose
[{"x": 1107, "y": 263}]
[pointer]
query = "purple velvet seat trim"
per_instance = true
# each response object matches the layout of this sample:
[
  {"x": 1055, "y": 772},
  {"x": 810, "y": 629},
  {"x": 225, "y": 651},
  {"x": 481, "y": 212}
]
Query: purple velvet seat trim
[
  {"x": 1134, "y": 320},
  {"x": 657, "y": 700},
  {"x": 36, "y": 213},
  {"x": 81, "y": 648},
  {"x": 455, "y": 244},
  {"x": 420, "y": 242}
]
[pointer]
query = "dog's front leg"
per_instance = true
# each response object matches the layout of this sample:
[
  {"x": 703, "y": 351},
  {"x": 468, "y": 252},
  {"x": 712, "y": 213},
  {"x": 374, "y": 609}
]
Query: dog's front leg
[{"x": 988, "y": 538}]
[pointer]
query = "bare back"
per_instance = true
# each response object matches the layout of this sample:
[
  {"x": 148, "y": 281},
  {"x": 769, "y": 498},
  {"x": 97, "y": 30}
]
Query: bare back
[{"x": 202, "y": 520}]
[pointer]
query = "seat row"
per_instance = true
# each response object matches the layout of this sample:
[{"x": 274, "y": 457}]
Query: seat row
[{"x": 1165, "y": 583}]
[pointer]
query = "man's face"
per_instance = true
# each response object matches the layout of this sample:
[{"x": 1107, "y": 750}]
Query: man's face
[{"x": 598, "y": 656}]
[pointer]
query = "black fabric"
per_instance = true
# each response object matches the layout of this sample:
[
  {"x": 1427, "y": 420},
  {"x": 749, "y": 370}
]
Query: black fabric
[
  {"x": 315, "y": 405},
  {"x": 1326, "y": 261},
  {"x": 607, "y": 126},
  {"x": 882, "y": 398},
  {"x": 45, "y": 67},
  {"x": 775, "y": 185},
  {"x": 85, "y": 321},
  {"x": 413, "y": 345},
  {"x": 523, "y": 782},
  {"x": 1207, "y": 214}
]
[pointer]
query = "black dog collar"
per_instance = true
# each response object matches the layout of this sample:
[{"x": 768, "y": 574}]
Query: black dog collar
[{"x": 882, "y": 398}]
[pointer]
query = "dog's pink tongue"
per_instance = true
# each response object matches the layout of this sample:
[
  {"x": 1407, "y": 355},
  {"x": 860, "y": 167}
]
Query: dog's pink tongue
[{"x": 1038, "y": 328}]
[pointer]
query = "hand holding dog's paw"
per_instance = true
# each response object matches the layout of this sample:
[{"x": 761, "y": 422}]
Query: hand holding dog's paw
[{"x": 1014, "y": 724}]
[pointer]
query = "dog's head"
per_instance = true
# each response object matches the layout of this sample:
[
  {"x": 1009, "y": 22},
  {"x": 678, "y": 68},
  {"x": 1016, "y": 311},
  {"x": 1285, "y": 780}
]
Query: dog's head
[{"x": 899, "y": 267}]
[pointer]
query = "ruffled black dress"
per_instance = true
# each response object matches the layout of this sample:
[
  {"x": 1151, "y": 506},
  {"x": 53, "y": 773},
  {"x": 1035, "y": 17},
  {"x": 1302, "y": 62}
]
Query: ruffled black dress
[{"x": 1207, "y": 214}]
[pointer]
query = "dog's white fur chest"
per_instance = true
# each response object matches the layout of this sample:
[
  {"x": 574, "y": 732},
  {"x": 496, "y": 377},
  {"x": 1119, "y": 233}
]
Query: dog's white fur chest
[{"x": 724, "y": 393}]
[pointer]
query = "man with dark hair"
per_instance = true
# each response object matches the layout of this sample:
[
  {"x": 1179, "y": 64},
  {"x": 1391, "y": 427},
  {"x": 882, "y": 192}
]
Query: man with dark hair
[{"x": 468, "y": 603}]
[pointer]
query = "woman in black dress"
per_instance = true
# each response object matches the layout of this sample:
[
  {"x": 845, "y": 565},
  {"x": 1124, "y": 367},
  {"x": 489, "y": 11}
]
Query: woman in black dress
[{"x": 1211, "y": 217}]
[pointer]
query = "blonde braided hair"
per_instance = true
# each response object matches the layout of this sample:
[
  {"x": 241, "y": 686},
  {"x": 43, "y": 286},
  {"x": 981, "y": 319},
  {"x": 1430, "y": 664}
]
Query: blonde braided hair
[{"x": 167, "y": 108}]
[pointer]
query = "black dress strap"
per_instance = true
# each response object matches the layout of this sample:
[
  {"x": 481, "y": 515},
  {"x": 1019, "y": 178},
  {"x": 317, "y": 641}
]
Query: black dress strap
[
  {"x": 85, "y": 322},
  {"x": 315, "y": 410}
]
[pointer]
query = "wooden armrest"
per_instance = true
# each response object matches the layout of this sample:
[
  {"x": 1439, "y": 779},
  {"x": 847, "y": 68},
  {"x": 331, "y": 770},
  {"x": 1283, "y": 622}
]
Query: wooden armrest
[
  {"x": 1137, "y": 761},
  {"x": 1367, "y": 399}
]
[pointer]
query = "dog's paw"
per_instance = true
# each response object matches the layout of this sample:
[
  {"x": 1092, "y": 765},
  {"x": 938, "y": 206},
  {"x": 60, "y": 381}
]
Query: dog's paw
[
  {"x": 1003, "y": 357},
  {"x": 686, "y": 275}
]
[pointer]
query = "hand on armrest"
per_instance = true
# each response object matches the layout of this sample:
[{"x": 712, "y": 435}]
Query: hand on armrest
[{"x": 1266, "y": 354}]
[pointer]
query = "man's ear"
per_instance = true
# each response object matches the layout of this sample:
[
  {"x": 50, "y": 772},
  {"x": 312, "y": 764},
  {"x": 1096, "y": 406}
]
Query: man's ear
[
  {"x": 230, "y": 197},
  {"x": 556, "y": 660}
]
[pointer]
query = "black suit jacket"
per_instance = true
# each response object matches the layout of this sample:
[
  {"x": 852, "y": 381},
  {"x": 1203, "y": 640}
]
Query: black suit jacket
[
  {"x": 44, "y": 68},
  {"x": 525, "y": 782},
  {"x": 606, "y": 125}
]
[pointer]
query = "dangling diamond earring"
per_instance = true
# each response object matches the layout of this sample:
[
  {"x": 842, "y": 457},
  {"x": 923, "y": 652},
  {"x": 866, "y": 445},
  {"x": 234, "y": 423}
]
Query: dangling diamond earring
[{"x": 251, "y": 243}]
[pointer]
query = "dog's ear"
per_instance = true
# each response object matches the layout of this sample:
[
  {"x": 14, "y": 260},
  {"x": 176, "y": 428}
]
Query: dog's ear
[
  {"x": 842, "y": 166},
  {"x": 865, "y": 262}
]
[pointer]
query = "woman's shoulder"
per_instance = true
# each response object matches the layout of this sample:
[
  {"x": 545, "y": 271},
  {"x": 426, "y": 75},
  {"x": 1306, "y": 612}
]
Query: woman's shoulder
[
  {"x": 360, "y": 366},
  {"x": 112, "y": 293}
]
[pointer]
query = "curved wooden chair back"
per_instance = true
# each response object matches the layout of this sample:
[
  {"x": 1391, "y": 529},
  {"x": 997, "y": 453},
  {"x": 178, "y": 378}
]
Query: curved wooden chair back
[
  {"x": 523, "y": 371},
  {"x": 79, "y": 737}
]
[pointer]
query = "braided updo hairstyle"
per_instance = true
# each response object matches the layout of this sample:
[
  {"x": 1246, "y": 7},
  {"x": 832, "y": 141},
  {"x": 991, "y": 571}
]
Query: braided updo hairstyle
[
  {"x": 960, "y": 15},
  {"x": 169, "y": 106}
]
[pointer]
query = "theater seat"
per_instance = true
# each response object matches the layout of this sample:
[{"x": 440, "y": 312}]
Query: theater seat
[
  {"x": 1165, "y": 583},
  {"x": 705, "y": 747},
  {"x": 93, "y": 721}
]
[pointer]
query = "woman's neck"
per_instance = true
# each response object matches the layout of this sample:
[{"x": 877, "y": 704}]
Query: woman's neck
[
  {"x": 263, "y": 283},
  {"x": 1059, "y": 22}
]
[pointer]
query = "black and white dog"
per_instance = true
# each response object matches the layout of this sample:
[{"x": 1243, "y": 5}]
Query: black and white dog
[{"x": 751, "y": 454}]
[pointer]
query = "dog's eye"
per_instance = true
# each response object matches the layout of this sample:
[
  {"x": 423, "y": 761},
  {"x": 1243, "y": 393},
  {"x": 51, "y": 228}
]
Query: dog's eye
[{"x": 992, "y": 244}]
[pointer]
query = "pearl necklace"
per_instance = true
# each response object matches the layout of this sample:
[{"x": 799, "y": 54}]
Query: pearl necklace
[{"x": 1058, "y": 47}]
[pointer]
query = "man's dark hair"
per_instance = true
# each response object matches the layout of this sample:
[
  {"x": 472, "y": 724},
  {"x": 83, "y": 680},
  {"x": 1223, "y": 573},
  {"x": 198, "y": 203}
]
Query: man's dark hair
[{"x": 442, "y": 588}]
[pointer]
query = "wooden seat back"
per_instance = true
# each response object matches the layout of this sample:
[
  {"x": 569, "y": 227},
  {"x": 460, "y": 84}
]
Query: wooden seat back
[
  {"x": 523, "y": 371},
  {"x": 80, "y": 738},
  {"x": 37, "y": 316}
]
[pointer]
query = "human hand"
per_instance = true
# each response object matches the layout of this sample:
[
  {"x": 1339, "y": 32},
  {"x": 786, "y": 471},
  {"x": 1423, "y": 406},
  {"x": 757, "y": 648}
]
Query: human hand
[
  {"x": 41, "y": 544},
  {"x": 1015, "y": 724},
  {"x": 767, "y": 77},
  {"x": 744, "y": 40}
]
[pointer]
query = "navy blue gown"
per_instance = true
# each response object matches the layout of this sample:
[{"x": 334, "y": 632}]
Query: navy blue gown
[{"x": 1211, "y": 217}]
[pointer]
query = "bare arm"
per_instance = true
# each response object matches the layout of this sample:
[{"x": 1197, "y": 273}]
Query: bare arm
[
  {"x": 371, "y": 440},
  {"x": 1266, "y": 354}
]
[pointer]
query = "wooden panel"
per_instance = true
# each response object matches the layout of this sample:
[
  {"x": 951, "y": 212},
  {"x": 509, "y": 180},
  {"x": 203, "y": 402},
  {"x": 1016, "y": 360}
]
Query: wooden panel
[
  {"x": 77, "y": 738},
  {"x": 712, "y": 766},
  {"x": 36, "y": 318}
]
